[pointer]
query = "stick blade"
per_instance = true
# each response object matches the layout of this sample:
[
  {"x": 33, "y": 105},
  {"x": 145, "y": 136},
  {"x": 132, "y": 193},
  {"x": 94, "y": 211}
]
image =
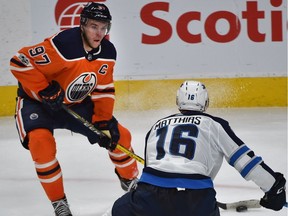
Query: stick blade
[{"x": 253, "y": 203}]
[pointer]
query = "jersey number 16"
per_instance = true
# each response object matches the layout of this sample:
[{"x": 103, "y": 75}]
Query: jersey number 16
[{"x": 181, "y": 141}]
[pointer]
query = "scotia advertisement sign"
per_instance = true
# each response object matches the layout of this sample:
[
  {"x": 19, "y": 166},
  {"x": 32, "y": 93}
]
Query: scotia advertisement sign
[{"x": 176, "y": 39}]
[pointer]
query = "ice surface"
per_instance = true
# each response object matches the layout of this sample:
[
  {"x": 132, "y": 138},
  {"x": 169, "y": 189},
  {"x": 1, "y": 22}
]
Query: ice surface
[{"x": 90, "y": 183}]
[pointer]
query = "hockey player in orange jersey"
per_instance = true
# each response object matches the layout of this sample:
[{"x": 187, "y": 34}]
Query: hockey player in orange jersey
[{"x": 74, "y": 67}]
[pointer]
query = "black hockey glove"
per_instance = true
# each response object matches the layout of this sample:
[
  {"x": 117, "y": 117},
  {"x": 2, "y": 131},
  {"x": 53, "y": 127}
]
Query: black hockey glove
[
  {"x": 112, "y": 126},
  {"x": 52, "y": 96},
  {"x": 275, "y": 198},
  {"x": 105, "y": 142}
]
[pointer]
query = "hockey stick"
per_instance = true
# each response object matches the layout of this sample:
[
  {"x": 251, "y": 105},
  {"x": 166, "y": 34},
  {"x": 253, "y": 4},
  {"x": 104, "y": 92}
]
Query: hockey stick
[
  {"x": 242, "y": 205},
  {"x": 101, "y": 133},
  {"x": 239, "y": 206},
  {"x": 253, "y": 203}
]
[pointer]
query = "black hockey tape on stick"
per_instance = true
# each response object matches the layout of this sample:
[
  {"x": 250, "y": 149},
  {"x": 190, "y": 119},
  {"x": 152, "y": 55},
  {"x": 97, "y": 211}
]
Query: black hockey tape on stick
[
  {"x": 253, "y": 203},
  {"x": 101, "y": 134}
]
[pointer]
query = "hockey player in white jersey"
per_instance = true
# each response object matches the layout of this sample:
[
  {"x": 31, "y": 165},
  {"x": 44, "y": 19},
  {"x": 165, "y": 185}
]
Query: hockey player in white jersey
[{"x": 183, "y": 154}]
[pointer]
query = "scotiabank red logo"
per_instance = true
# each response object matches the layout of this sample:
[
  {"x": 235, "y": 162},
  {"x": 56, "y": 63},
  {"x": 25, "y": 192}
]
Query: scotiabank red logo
[
  {"x": 67, "y": 12},
  {"x": 252, "y": 15}
]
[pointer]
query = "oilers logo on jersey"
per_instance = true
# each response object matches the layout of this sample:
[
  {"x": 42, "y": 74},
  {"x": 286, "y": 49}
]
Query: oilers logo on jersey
[{"x": 80, "y": 87}]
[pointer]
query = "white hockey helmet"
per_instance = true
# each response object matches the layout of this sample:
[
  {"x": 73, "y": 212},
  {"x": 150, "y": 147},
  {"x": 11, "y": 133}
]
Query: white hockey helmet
[{"x": 192, "y": 95}]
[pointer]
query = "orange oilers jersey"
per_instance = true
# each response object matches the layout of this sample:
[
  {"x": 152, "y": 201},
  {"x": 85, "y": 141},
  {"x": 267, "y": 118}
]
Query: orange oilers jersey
[{"x": 79, "y": 73}]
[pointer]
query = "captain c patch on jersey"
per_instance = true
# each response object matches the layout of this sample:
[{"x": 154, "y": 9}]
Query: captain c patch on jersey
[
  {"x": 103, "y": 69},
  {"x": 80, "y": 87}
]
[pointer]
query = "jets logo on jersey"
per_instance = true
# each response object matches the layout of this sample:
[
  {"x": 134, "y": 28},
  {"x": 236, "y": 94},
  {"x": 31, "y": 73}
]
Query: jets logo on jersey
[{"x": 83, "y": 85}]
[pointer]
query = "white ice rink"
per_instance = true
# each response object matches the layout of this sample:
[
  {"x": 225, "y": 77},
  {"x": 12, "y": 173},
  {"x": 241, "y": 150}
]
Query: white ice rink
[{"x": 90, "y": 183}]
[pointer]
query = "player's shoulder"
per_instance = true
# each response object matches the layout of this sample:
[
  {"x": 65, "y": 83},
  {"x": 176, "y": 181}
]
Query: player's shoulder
[
  {"x": 107, "y": 43},
  {"x": 108, "y": 49},
  {"x": 209, "y": 117},
  {"x": 69, "y": 43},
  {"x": 68, "y": 35},
  {"x": 215, "y": 118}
]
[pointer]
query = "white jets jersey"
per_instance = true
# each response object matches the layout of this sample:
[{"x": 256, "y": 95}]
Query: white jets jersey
[{"x": 183, "y": 148}]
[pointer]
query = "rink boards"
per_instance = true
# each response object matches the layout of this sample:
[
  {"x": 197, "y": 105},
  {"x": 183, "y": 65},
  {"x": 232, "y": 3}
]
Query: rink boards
[{"x": 159, "y": 94}]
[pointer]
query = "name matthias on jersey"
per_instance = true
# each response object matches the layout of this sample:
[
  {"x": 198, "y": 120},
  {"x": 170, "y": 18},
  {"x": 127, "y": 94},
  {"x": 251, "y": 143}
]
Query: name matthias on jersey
[
  {"x": 178, "y": 120},
  {"x": 81, "y": 86}
]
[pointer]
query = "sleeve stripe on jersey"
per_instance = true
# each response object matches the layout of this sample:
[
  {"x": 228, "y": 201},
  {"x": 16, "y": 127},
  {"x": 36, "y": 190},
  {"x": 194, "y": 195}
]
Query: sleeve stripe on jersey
[
  {"x": 241, "y": 151},
  {"x": 21, "y": 69},
  {"x": 111, "y": 85},
  {"x": 94, "y": 97},
  {"x": 255, "y": 161},
  {"x": 112, "y": 90},
  {"x": 20, "y": 64}
]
